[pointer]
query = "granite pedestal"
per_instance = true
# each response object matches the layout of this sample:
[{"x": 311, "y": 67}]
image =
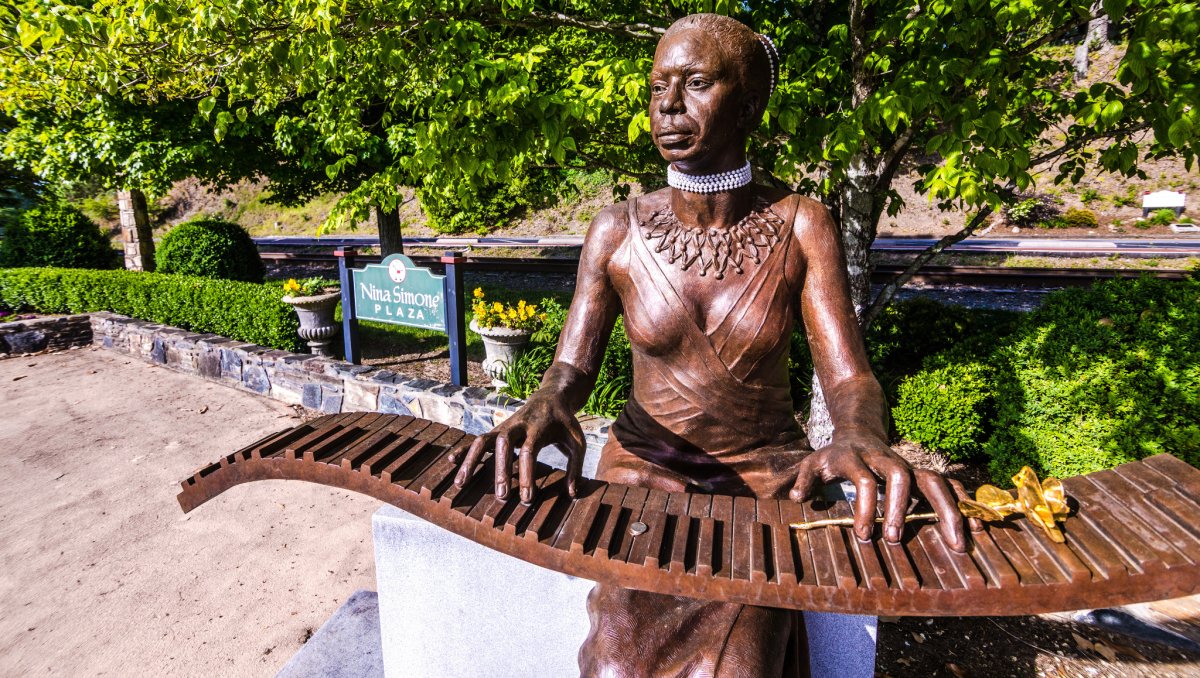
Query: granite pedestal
[{"x": 451, "y": 608}]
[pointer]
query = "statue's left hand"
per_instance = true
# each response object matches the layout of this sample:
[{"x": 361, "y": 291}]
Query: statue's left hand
[{"x": 865, "y": 460}]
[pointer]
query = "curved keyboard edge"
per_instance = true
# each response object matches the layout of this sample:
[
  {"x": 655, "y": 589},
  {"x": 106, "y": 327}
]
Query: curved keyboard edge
[{"x": 1134, "y": 539}]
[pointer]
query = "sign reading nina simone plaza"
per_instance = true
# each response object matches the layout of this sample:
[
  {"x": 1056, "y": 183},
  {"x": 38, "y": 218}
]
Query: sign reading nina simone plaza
[{"x": 400, "y": 292}]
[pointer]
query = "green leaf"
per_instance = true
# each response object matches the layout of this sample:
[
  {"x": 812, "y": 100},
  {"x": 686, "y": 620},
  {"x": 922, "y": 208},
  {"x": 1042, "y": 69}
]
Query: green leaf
[
  {"x": 1115, "y": 9},
  {"x": 27, "y": 33},
  {"x": 1111, "y": 113},
  {"x": 206, "y": 105},
  {"x": 1180, "y": 132}
]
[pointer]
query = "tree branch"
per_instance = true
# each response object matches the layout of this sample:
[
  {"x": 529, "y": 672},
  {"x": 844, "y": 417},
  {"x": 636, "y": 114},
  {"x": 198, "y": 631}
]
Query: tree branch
[
  {"x": 889, "y": 290},
  {"x": 637, "y": 31},
  {"x": 1079, "y": 143},
  {"x": 892, "y": 157}
]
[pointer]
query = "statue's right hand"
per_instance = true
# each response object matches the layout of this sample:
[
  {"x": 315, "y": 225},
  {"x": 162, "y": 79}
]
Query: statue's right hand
[{"x": 542, "y": 421}]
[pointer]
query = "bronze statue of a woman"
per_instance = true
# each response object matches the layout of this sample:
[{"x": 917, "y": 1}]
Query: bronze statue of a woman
[{"x": 711, "y": 273}]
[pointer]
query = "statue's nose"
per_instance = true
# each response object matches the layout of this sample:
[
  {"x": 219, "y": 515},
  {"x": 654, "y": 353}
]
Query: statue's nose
[{"x": 672, "y": 100}]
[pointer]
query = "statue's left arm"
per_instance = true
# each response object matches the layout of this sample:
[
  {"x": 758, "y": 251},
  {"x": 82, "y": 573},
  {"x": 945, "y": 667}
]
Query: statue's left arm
[{"x": 858, "y": 451}]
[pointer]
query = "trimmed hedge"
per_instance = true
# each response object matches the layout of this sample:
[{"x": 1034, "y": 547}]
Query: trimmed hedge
[
  {"x": 56, "y": 235},
  {"x": 211, "y": 248},
  {"x": 248, "y": 312},
  {"x": 1100, "y": 376}
]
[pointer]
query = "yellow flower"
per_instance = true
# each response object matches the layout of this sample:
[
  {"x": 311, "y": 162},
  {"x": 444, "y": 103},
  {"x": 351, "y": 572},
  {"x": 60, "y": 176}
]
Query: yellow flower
[
  {"x": 543, "y": 316},
  {"x": 478, "y": 292},
  {"x": 497, "y": 307},
  {"x": 291, "y": 286}
]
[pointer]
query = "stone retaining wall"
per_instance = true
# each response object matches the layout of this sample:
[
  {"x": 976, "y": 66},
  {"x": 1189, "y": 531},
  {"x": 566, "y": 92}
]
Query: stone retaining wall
[
  {"x": 45, "y": 334},
  {"x": 321, "y": 384}
]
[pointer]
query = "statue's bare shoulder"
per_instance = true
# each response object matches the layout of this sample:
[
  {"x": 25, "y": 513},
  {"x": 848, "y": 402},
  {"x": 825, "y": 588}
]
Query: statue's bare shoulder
[{"x": 605, "y": 235}]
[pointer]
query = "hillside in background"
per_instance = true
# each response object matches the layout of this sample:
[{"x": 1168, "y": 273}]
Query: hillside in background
[{"x": 1115, "y": 200}]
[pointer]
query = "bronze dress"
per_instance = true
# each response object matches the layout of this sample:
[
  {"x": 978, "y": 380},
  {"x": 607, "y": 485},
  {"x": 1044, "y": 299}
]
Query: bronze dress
[{"x": 736, "y": 398}]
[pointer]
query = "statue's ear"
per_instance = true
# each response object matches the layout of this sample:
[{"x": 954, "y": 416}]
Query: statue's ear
[{"x": 749, "y": 113}]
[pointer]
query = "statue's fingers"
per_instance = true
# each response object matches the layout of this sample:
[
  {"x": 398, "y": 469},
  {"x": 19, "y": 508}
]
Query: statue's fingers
[
  {"x": 576, "y": 450},
  {"x": 898, "y": 487},
  {"x": 975, "y": 524},
  {"x": 503, "y": 465},
  {"x": 527, "y": 464},
  {"x": 938, "y": 494},
  {"x": 853, "y": 469},
  {"x": 806, "y": 477},
  {"x": 471, "y": 460}
]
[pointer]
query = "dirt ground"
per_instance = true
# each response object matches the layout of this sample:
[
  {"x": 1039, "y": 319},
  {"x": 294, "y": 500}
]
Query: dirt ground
[{"x": 100, "y": 572}]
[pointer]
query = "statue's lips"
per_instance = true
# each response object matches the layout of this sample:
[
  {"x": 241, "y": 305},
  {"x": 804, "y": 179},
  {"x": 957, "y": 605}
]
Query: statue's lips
[{"x": 673, "y": 136}]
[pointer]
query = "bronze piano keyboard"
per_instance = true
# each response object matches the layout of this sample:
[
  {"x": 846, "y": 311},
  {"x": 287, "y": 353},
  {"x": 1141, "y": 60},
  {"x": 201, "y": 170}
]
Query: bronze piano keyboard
[{"x": 1134, "y": 536}]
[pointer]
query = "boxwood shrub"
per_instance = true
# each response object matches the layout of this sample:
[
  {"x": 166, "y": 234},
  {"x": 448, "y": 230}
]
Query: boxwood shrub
[
  {"x": 946, "y": 409},
  {"x": 1100, "y": 376},
  {"x": 211, "y": 248},
  {"x": 249, "y": 312}
]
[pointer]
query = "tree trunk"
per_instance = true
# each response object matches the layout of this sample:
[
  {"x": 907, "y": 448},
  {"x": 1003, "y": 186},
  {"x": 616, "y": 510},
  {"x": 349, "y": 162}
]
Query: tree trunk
[
  {"x": 1096, "y": 36},
  {"x": 859, "y": 207},
  {"x": 136, "y": 234},
  {"x": 391, "y": 240}
]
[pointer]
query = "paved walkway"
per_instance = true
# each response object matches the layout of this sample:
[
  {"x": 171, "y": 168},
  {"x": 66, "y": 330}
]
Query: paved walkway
[{"x": 100, "y": 572}]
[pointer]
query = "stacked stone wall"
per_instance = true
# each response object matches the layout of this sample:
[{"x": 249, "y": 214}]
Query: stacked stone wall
[
  {"x": 321, "y": 384},
  {"x": 45, "y": 334}
]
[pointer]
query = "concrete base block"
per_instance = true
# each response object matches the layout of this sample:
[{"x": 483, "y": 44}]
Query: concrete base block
[
  {"x": 449, "y": 607},
  {"x": 346, "y": 645}
]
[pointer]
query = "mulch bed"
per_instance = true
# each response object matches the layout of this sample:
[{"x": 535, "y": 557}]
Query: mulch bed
[{"x": 1020, "y": 646}]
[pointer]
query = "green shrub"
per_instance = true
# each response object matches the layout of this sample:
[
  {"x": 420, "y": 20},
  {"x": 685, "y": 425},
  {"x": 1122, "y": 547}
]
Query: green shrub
[
  {"x": 946, "y": 409},
  {"x": 1130, "y": 197},
  {"x": 1100, "y": 376},
  {"x": 56, "y": 235},
  {"x": 908, "y": 333},
  {"x": 1033, "y": 210},
  {"x": 1089, "y": 195},
  {"x": 1076, "y": 218},
  {"x": 616, "y": 369},
  {"x": 1163, "y": 217},
  {"x": 244, "y": 311},
  {"x": 211, "y": 248}
]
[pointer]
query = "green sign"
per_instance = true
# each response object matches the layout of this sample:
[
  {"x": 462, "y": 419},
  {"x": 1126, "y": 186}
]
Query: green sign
[{"x": 399, "y": 292}]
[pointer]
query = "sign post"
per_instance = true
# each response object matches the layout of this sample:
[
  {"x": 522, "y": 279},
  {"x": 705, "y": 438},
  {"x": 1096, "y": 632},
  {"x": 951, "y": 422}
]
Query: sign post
[
  {"x": 399, "y": 292},
  {"x": 454, "y": 322},
  {"x": 345, "y": 257}
]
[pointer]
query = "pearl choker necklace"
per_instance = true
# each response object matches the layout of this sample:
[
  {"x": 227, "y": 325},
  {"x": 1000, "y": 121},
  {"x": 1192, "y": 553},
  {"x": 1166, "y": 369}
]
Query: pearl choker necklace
[{"x": 708, "y": 183}]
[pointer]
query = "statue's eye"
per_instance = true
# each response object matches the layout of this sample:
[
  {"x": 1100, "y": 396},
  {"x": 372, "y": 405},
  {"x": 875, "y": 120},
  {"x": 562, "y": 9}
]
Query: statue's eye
[
  {"x": 658, "y": 89},
  {"x": 697, "y": 83}
]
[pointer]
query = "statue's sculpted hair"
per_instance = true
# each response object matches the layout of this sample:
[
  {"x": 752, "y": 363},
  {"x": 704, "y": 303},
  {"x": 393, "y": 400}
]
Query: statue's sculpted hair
[{"x": 742, "y": 47}]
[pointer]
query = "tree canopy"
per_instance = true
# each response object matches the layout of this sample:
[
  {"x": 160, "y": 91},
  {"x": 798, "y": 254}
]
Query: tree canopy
[{"x": 457, "y": 97}]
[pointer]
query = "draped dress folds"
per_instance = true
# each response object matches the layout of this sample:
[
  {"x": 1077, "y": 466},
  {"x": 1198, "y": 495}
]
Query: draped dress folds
[{"x": 710, "y": 412}]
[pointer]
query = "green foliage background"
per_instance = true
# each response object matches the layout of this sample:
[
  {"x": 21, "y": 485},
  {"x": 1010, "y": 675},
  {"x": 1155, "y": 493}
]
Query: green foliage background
[
  {"x": 56, "y": 234},
  {"x": 1100, "y": 376}
]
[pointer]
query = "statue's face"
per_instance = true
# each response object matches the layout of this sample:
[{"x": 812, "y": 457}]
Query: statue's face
[{"x": 695, "y": 99}]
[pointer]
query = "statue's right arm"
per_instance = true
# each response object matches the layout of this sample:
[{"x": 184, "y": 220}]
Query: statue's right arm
[{"x": 548, "y": 416}]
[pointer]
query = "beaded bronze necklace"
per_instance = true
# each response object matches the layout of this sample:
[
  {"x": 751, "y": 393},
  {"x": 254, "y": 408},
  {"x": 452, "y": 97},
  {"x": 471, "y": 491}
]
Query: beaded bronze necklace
[{"x": 752, "y": 238}]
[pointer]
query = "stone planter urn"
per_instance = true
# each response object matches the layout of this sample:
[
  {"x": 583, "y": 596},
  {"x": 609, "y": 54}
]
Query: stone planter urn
[
  {"x": 501, "y": 345},
  {"x": 317, "y": 325}
]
